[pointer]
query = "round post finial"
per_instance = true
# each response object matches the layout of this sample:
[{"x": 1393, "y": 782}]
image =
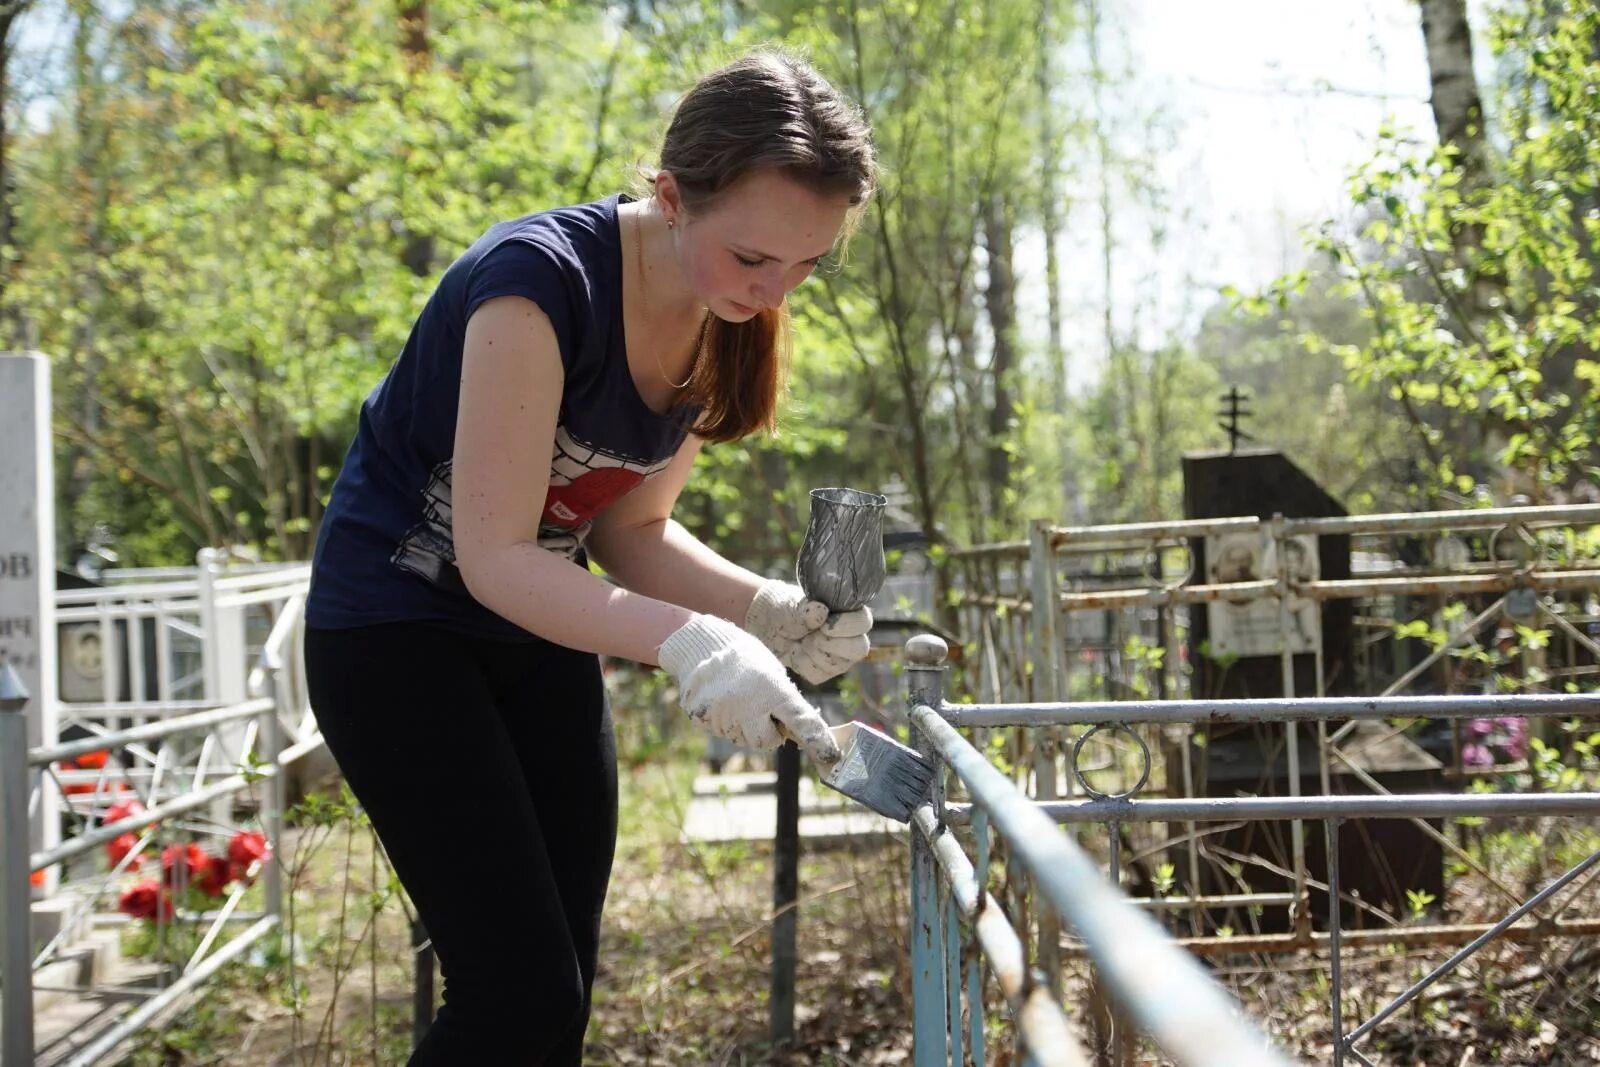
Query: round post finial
[{"x": 927, "y": 650}]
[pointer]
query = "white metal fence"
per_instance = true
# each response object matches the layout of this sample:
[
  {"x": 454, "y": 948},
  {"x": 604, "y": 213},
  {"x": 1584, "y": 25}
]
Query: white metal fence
[{"x": 183, "y": 708}]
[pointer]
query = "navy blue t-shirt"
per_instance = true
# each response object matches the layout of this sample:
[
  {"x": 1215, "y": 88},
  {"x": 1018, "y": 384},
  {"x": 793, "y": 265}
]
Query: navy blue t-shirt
[{"x": 385, "y": 552}]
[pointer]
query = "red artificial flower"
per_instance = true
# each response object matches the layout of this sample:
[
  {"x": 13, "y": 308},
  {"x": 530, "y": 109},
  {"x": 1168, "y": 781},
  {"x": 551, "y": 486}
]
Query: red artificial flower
[
  {"x": 192, "y": 856},
  {"x": 74, "y": 788},
  {"x": 214, "y": 880},
  {"x": 120, "y": 846},
  {"x": 121, "y": 810},
  {"x": 143, "y": 900},
  {"x": 246, "y": 847},
  {"x": 36, "y": 879},
  {"x": 89, "y": 761}
]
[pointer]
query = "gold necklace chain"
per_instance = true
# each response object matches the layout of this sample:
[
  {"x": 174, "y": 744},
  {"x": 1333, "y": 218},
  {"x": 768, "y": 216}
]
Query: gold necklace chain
[{"x": 644, "y": 307}]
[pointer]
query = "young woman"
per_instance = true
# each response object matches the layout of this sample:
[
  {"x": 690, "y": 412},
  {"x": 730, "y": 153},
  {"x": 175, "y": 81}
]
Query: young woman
[{"x": 546, "y": 411}]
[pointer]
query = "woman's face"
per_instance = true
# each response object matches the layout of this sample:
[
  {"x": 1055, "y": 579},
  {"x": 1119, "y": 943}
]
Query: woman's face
[{"x": 759, "y": 240}]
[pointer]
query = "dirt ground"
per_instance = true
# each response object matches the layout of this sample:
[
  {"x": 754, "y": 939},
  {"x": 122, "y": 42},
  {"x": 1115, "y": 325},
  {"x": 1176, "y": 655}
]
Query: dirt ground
[{"x": 684, "y": 967}]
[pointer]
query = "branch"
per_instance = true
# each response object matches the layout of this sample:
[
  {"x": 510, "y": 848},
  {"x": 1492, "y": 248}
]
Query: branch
[
  {"x": 79, "y": 433},
  {"x": 600, "y": 117}
]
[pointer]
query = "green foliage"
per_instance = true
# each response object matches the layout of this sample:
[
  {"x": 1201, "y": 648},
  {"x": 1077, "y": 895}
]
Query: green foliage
[
  {"x": 1165, "y": 878},
  {"x": 1133, "y": 428},
  {"x": 1142, "y": 664},
  {"x": 1478, "y": 296},
  {"x": 1418, "y": 900},
  {"x": 233, "y": 212},
  {"x": 225, "y": 279}
]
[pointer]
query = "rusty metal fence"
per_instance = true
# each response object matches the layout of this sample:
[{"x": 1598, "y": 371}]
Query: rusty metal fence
[{"x": 1537, "y": 564}]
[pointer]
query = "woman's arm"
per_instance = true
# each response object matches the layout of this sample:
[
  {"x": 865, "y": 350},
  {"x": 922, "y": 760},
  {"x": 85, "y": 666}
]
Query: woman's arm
[
  {"x": 638, "y": 542},
  {"x": 511, "y": 382}
]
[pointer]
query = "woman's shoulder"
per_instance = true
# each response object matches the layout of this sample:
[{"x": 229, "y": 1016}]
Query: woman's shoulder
[{"x": 575, "y": 230}]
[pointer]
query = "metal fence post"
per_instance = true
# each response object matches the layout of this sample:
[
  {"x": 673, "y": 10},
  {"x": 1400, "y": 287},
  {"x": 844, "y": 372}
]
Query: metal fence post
[
  {"x": 925, "y": 657},
  {"x": 207, "y": 568},
  {"x": 1042, "y": 591},
  {"x": 1297, "y": 833},
  {"x": 16, "y": 907},
  {"x": 277, "y": 789},
  {"x": 785, "y": 894},
  {"x": 1335, "y": 963}
]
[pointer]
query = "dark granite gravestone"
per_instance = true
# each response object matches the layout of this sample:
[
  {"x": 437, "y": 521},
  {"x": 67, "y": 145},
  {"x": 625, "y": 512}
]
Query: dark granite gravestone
[
  {"x": 1217, "y": 485},
  {"x": 1380, "y": 859}
]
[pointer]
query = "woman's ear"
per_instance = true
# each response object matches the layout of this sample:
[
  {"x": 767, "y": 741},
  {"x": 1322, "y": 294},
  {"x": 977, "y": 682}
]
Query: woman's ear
[{"x": 669, "y": 196}]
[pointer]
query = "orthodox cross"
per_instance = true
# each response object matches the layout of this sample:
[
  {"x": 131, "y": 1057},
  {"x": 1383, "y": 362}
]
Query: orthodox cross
[{"x": 1233, "y": 412}]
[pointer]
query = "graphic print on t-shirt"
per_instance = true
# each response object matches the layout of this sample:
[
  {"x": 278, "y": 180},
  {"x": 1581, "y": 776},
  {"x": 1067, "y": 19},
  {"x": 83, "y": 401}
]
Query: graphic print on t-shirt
[{"x": 584, "y": 480}]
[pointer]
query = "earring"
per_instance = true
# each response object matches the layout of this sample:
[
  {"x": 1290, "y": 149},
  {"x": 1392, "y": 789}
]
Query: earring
[{"x": 669, "y": 224}]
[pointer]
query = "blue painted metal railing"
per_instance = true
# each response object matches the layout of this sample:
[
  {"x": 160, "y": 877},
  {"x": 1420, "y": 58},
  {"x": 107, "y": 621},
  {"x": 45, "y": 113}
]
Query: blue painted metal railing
[
  {"x": 1162, "y": 987},
  {"x": 1152, "y": 979}
]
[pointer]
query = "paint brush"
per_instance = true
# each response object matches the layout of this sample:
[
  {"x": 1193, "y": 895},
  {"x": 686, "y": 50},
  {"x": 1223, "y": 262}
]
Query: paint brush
[
  {"x": 890, "y": 778},
  {"x": 876, "y": 770}
]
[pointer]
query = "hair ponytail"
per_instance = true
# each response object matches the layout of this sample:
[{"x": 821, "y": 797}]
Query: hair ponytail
[{"x": 739, "y": 375}]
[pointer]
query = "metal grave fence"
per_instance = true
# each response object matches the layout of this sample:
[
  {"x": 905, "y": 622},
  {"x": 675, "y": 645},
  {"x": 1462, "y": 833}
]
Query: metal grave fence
[
  {"x": 202, "y": 714},
  {"x": 1532, "y": 565}
]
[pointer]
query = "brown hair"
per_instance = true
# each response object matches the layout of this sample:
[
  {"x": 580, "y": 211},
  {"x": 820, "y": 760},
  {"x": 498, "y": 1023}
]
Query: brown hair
[{"x": 769, "y": 110}]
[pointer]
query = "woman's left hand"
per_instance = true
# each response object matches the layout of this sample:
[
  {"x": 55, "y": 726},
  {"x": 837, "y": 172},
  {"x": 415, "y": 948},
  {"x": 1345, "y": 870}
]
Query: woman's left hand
[{"x": 803, "y": 635}]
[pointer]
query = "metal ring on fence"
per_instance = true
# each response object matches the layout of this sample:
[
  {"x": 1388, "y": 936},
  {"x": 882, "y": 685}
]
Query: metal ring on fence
[
  {"x": 1165, "y": 583},
  {"x": 1144, "y": 754},
  {"x": 1524, "y": 557},
  {"x": 1173, "y": 583}
]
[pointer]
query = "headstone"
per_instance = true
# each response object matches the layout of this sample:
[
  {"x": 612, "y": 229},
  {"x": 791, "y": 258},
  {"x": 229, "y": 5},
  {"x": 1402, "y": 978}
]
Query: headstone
[
  {"x": 27, "y": 561},
  {"x": 1383, "y": 857},
  {"x": 1263, "y": 481}
]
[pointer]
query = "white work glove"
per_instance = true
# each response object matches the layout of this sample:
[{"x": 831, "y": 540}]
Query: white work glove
[
  {"x": 804, "y": 636},
  {"x": 733, "y": 686}
]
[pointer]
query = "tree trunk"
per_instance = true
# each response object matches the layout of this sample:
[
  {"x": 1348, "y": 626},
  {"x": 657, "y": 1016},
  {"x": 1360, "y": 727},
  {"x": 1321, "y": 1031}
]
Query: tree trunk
[
  {"x": 958, "y": 337},
  {"x": 1115, "y": 436},
  {"x": 418, "y": 253},
  {"x": 1457, "y": 105},
  {"x": 1001, "y": 304},
  {"x": 1458, "y": 116},
  {"x": 1049, "y": 165},
  {"x": 88, "y": 230}
]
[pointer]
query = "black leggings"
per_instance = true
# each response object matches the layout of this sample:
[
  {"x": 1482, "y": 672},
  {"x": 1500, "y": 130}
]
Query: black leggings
[{"x": 489, "y": 772}]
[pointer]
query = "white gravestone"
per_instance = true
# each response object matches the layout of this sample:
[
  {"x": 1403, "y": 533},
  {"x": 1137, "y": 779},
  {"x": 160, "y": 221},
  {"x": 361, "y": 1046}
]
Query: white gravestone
[{"x": 27, "y": 561}]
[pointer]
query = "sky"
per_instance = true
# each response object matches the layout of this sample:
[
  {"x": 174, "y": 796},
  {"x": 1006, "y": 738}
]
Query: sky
[
  {"x": 1270, "y": 105},
  {"x": 1279, "y": 100}
]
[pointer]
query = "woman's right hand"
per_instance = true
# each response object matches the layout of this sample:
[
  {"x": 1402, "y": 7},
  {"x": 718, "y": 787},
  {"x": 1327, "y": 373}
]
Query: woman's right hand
[{"x": 733, "y": 686}]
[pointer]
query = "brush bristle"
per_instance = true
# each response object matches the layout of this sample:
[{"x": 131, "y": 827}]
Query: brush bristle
[{"x": 890, "y": 778}]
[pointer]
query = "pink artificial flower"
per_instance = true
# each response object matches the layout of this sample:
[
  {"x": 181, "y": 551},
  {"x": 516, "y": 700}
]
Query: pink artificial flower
[{"x": 1516, "y": 737}]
